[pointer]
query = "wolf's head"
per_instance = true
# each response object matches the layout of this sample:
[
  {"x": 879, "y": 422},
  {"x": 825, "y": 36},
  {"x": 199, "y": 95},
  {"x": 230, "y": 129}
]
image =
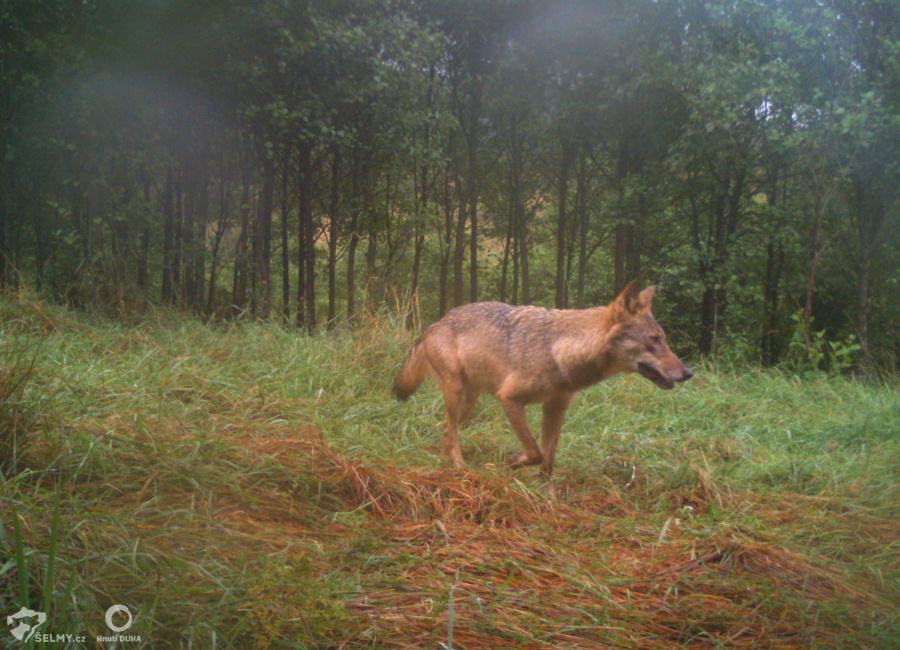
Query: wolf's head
[{"x": 639, "y": 344}]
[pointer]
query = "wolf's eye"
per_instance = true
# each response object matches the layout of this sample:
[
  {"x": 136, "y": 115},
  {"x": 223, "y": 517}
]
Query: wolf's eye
[{"x": 655, "y": 340}]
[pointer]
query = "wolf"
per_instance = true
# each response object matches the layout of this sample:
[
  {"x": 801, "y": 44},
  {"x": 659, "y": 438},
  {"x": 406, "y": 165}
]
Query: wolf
[{"x": 527, "y": 355}]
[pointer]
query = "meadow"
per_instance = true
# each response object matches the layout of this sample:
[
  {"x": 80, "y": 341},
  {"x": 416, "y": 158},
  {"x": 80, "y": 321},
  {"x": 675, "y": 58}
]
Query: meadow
[{"x": 241, "y": 486}]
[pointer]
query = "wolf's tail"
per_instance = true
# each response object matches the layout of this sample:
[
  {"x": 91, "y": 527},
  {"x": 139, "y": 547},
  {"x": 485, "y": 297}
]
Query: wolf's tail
[{"x": 413, "y": 372}]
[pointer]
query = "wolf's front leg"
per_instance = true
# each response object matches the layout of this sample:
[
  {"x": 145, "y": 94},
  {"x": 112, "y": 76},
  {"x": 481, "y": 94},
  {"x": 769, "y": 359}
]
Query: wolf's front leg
[
  {"x": 515, "y": 411},
  {"x": 554, "y": 415},
  {"x": 450, "y": 447}
]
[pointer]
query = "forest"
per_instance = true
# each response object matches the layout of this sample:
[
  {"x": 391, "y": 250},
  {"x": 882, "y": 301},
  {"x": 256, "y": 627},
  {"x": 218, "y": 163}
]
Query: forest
[
  {"x": 308, "y": 161},
  {"x": 223, "y": 223}
]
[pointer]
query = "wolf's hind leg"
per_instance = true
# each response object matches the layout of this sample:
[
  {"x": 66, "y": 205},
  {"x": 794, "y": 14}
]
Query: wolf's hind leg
[
  {"x": 516, "y": 414},
  {"x": 459, "y": 402}
]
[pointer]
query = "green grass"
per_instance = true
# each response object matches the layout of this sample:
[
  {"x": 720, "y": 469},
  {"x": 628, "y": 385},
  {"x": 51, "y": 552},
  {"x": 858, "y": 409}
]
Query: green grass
[{"x": 242, "y": 486}]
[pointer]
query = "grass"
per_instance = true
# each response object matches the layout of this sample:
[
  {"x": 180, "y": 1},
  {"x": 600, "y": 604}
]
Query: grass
[{"x": 247, "y": 487}]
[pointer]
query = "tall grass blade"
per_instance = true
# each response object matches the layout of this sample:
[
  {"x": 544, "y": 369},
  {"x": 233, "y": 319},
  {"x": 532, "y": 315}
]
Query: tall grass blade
[
  {"x": 21, "y": 565},
  {"x": 52, "y": 550}
]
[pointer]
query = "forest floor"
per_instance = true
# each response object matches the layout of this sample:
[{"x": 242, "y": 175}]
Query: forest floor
[{"x": 242, "y": 486}]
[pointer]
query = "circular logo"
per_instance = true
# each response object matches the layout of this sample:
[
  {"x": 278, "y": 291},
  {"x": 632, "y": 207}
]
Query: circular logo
[{"x": 109, "y": 618}]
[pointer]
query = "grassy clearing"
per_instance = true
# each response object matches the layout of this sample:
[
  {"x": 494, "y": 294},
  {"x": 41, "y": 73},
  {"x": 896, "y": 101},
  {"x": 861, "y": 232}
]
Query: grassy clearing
[{"x": 246, "y": 487}]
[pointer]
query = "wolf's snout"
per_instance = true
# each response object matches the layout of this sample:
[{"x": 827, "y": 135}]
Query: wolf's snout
[{"x": 665, "y": 376}]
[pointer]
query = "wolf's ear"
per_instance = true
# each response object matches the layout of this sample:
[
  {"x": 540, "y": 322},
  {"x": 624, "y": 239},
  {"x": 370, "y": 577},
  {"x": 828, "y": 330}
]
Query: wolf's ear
[
  {"x": 646, "y": 297},
  {"x": 629, "y": 301}
]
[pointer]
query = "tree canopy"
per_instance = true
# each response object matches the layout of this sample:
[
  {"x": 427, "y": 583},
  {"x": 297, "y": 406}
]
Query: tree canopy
[{"x": 307, "y": 160}]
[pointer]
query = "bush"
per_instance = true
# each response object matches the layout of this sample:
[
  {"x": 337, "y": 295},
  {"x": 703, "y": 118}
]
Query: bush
[{"x": 810, "y": 352}]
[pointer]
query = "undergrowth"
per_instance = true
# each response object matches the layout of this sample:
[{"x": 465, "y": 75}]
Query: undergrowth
[{"x": 242, "y": 486}]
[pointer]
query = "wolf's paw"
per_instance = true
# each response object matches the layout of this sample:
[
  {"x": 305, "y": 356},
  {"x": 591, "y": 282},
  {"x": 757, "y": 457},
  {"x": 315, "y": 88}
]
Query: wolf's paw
[
  {"x": 452, "y": 456},
  {"x": 521, "y": 459}
]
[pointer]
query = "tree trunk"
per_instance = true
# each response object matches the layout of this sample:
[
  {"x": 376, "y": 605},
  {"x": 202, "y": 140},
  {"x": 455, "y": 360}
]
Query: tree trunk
[
  {"x": 459, "y": 250},
  {"x": 473, "y": 212},
  {"x": 143, "y": 272},
  {"x": 4, "y": 223},
  {"x": 870, "y": 211},
  {"x": 447, "y": 242},
  {"x": 178, "y": 250},
  {"x": 582, "y": 217},
  {"x": 200, "y": 268},
  {"x": 371, "y": 247},
  {"x": 517, "y": 226},
  {"x": 708, "y": 321},
  {"x": 524, "y": 260},
  {"x": 306, "y": 273},
  {"x": 562, "y": 228},
  {"x": 774, "y": 263},
  {"x": 334, "y": 231},
  {"x": 241, "y": 262},
  {"x": 214, "y": 259},
  {"x": 358, "y": 198},
  {"x": 635, "y": 242},
  {"x": 188, "y": 230},
  {"x": 862, "y": 314},
  {"x": 621, "y": 252},
  {"x": 168, "y": 237},
  {"x": 263, "y": 240},
  {"x": 421, "y": 202},
  {"x": 285, "y": 243},
  {"x": 507, "y": 249},
  {"x": 202, "y": 218}
]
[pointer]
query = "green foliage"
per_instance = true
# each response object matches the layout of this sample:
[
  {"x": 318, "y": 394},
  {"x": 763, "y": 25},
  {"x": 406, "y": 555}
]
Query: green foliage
[
  {"x": 298, "y": 158},
  {"x": 811, "y": 352}
]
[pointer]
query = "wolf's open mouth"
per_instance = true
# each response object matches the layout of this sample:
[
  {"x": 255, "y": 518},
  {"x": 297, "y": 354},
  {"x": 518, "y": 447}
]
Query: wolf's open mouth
[{"x": 649, "y": 372}]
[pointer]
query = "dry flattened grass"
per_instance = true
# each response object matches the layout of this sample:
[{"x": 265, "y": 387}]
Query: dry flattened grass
[
  {"x": 585, "y": 569},
  {"x": 596, "y": 566}
]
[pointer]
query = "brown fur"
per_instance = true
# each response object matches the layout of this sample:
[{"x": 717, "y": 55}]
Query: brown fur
[{"x": 525, "y": 355}]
